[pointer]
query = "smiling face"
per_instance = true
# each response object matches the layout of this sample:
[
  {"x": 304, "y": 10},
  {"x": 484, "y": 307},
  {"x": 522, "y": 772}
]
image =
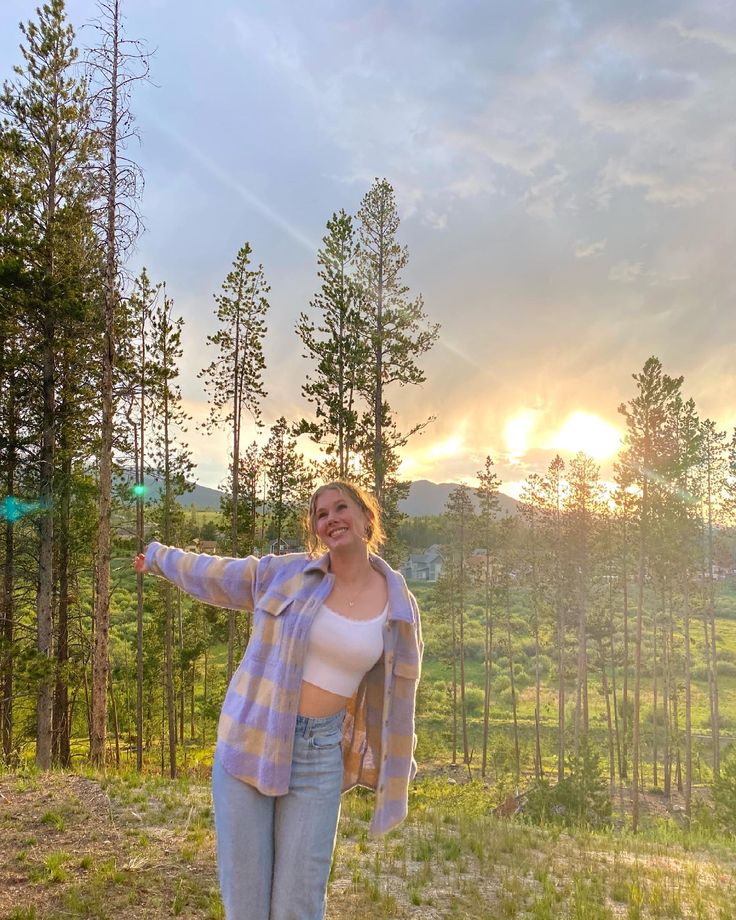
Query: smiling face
[{"x": 338, "y": 521}]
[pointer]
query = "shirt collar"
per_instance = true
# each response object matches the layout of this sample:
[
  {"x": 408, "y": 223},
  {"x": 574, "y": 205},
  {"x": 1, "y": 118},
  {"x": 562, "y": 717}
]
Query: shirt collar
[
  {"x": 399, "y": 603},
  {"x": 319, "y": 564}
]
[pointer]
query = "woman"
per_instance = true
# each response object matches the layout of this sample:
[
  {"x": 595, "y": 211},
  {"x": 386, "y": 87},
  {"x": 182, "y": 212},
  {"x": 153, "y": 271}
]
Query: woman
[{"x": 322, "y": 701}]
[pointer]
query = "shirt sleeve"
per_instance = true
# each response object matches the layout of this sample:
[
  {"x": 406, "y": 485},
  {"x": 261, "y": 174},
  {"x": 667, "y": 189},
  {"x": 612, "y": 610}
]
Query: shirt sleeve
[
  {"x": 418, "y": 623},
  {"x": 216, "y": 580}
]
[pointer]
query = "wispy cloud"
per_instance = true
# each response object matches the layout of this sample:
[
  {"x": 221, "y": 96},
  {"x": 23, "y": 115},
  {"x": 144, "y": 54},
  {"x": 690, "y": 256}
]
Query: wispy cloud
[{"x": 587, "y": 250}]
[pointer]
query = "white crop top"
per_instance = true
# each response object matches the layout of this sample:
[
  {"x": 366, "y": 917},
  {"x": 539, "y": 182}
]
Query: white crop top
[{"x": 341, "y": 650}]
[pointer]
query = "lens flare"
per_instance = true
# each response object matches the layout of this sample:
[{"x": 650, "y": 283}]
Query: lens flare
[
  {"x": 12, "y": 509},
  {"x": 139, "y": 490}
]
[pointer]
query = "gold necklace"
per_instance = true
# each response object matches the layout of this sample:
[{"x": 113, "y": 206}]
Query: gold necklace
[{"x": 351, "y": 603}]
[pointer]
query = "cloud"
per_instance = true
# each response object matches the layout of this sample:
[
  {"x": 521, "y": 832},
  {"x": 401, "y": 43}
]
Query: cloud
[
  {"x": 586, "y": 250},
  {"x": 626, "y": 272},
  {"x": 564, "y": 173},
  {"x": 722, "y": 37}
]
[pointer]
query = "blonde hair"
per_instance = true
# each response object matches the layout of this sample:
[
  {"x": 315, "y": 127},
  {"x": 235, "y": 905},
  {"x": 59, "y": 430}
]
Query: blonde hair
[{"x": 364, "y": 500}]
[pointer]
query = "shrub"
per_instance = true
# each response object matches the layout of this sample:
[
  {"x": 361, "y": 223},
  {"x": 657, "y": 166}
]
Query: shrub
[
  {"x": 724, "y": 793},
  {"x": 580, "y": 799},
  {"x": 474, "y": 697}
]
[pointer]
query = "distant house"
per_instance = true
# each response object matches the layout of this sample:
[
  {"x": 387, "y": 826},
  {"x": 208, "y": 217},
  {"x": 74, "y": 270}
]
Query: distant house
[
  {"x": 279, "y": 547},
  {"x": 476, "y": 561},
  {"x": 426, "y": 566},
  {"x": 203, "y": 546}
]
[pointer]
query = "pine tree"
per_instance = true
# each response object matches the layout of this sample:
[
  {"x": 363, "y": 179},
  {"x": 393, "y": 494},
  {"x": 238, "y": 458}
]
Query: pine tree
[
  {"x": 171, "y": 460},
  {"x": 139, "y": 374},
  {"x": 554, "y": 488},
  {"x": 285, "y": 471},
  {"x": 532, "y": 509},
  {"x": 487, "y": 493},
  {"x": 582, "y": 507},
  {"x": 460, "y": 517},
  {"x": 688, "y": 435},
  {"x": 47, "y": 120},
  {"x": 112, "y": 66},
  {"x": 714, "y": 469},
  {"x": 337, "y": 345},
  {"x": 16, "y": 388},
  {"x": 648, "y": 459},
  {"x": 397, "y": 329},
  {"x": 234, "y": 379}
]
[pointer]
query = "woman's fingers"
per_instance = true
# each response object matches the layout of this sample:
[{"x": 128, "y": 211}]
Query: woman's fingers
[{"x": 139, "y": 563}]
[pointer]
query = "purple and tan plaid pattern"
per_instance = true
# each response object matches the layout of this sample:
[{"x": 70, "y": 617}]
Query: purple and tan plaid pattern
[{"x": 256, "y": 731}]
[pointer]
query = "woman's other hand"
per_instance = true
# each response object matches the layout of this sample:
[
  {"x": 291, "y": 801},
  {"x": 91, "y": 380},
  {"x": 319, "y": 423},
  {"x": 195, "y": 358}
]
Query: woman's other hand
[{"x": 139, "y": 563}]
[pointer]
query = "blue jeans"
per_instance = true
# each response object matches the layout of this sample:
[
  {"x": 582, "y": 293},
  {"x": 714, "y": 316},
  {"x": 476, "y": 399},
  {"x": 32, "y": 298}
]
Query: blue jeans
[{"x": 274, "y": 852}]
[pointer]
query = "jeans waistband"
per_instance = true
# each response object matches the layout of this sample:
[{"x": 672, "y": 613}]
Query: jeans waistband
[{"x": 318, "y": 725}]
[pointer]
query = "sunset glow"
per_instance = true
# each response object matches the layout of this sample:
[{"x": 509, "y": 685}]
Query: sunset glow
[
  {"x": 587, "y": 433},
  {"x": 517, "y": 433},
  {"x": 449, "y": 448}
]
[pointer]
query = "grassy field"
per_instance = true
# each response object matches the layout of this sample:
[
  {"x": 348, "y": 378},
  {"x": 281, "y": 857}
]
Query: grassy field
[
  {"x": 142, "y": 847},
  {"x": 434, "y": 708}
]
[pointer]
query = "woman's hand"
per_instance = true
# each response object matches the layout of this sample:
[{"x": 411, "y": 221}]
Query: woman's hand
[{"x": 139, "y": 563}]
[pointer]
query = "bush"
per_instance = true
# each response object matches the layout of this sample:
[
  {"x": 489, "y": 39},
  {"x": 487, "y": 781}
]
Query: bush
[
  {"x": 724, "y": 793},
  {"x": 474, "y": 698},
  {"x": 580, "y": 799}
]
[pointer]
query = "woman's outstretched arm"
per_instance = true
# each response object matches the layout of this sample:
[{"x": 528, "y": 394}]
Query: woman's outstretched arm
[{"x": 216, "y": 580}]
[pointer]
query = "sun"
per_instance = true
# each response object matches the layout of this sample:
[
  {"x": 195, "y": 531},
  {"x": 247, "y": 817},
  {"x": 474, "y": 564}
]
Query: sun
[
  {"x": 517, "y": 434},
  {"x": 583, "y": 431}
]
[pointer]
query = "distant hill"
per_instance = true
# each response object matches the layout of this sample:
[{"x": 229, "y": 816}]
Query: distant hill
[
  {"x": 427, "y": 497},
  {"x": 200, "y": 497}
]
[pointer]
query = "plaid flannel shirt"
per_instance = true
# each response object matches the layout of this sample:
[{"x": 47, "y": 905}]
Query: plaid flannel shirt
[{"x": 256, "y": 731}]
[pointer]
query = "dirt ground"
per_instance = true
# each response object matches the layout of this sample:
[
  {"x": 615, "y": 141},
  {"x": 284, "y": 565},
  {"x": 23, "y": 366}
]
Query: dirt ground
[{"x": 66, "y": 851}]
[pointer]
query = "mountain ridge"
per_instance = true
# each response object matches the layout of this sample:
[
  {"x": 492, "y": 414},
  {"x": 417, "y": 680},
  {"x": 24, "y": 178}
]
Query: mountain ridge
[{"x": 425, "y": 497}]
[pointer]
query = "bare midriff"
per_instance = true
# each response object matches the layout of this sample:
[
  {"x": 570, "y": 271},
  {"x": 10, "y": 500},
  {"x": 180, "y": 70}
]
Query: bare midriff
[{"x": 316, "y": 703}]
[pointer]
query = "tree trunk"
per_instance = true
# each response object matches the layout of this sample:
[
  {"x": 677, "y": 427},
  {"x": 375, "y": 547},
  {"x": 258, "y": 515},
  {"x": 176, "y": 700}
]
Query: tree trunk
[
  {"x": 617, "y": 735},
  {"x": 561, "y": 691},
  {"x": 488, "y": 637},
  {"x": 139, "y": 443},
  {"x": 454, "y": 679},
  {"x": 688, "y": 697},
  {"x": 44, "y": 606},
  {"x": 463, "y": 707},
  {"x": 115, "y": 721},
  {"x": 182, "y": 681},
  {"x": 8, "y": 600},
  {"x": 636, "y": 754},
  {"x": 378, "y": 388},
  {"x": 624, "y": 771},
  {"x": 711, "y": 614},
  {"x": 517, "y": 753},
  {"x": 655, "y": 752},
  {"x": 102, "y": 608},
  {"x": 62, "y": 747},
  {"x": 609, "y": 720}
]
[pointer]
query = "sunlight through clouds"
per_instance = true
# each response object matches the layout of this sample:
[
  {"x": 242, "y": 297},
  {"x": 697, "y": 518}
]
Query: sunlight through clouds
[
  {"x": 585, "y": 432},
  {"x": 517, "y": 434}
]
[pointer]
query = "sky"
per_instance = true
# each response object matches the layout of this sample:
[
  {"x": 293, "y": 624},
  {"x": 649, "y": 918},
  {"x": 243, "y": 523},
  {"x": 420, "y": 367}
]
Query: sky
[{"x": 565, "y": 177}]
